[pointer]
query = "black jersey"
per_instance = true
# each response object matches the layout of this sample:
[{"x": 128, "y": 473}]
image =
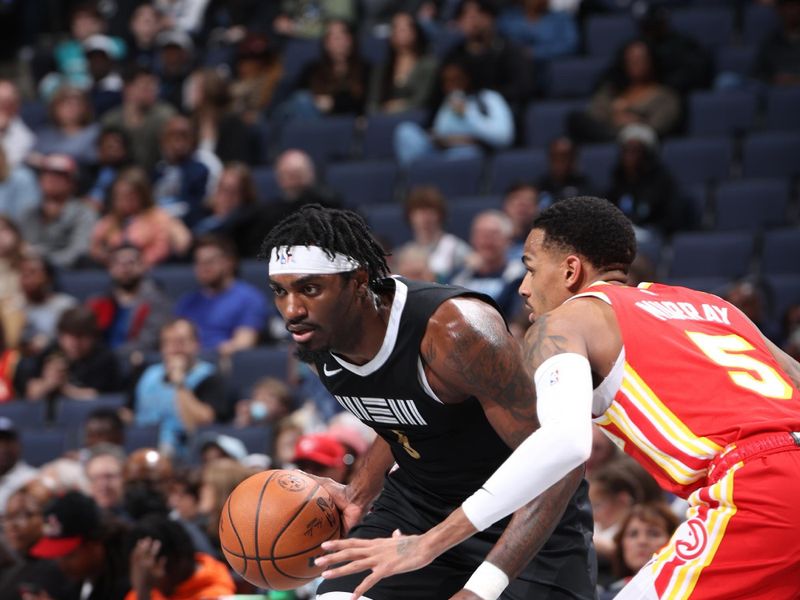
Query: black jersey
[{"x": 449, "y": 450}]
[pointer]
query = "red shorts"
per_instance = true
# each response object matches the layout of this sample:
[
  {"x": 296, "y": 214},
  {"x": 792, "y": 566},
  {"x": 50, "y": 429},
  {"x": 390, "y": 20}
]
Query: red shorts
[{"x": 741, "y": 538}]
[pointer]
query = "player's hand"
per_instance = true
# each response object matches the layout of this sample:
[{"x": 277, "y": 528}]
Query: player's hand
[
  {"x": 342, "y": 497},
  {"x": 383, "y": 556},
  {"x": 466, "y": 595}
]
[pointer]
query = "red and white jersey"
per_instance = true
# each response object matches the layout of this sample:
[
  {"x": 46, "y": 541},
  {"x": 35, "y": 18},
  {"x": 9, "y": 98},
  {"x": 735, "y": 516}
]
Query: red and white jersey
[{"x": 694, "y": 376}]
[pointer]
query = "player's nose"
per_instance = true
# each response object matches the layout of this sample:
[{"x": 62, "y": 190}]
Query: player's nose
[{"x": 294, "y": 307}]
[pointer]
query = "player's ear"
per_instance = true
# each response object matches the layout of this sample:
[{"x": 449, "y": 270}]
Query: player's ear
[
  {"x": 362, "y": 282},
  {"x": 573, "y": 271}
]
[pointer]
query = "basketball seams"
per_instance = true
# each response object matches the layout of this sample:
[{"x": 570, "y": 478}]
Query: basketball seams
[
  {"x": 286, "y": 525},
  {"x": 256, "y": 523},
  {"x": 236, "y": 533},
  {"x": 285, "y": 556}
]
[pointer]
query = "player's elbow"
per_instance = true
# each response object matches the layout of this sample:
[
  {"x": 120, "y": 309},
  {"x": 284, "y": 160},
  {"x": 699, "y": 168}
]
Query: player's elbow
[{"x": 577, "y": 443}]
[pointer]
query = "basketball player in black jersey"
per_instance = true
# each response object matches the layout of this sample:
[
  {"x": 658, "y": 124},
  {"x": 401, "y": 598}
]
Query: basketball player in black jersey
[{"x": 434, "y": 371}]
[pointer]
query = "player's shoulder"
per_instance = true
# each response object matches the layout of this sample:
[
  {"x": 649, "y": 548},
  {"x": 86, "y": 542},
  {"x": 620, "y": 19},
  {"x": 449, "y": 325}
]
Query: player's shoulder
[{"x": 466, "y": 318}]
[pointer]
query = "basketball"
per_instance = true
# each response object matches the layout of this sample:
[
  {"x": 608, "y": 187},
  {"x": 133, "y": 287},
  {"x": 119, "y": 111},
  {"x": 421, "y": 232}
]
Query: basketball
[{"x": 272, "y": 526}]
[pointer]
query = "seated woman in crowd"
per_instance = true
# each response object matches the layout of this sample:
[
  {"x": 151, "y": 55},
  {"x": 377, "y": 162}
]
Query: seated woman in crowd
[
  {"x": 646, "y": 529},
  {"x": 405, "y": 80},
  {"x": 134, "y": 219},
  {"x": 73, "y": 130},
  {"x": 258, "y": 72},
  {"x": 468, "y": 122},
  {"x": 631, "y": 93},
  {"x": 336, "y": 84}
]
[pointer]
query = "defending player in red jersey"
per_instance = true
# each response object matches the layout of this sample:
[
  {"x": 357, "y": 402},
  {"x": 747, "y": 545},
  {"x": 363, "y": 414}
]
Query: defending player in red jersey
[{"x": 681, "y": 380}]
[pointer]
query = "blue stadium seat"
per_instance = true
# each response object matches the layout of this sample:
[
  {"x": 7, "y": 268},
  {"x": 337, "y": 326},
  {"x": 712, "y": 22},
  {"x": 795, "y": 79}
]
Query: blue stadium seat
[
  {"x": 296, "y": 55},
  {"x": 387, "y": 222},
  {"x": 444, "y": 41},
  {"x": 34, "y": 113},
  {"x": 263, "y": 133},
  {"x": 379, "y": 133},
  {"x": 780, "y": 252},
  {"x": 711, "y": 26},
  {"x": 697, "y": 195},
  {"x": 698, "y": 160},
  {"x": 597, "y": 162},
  {"x": 248, "y": 366},
  {"x": 772, "y": 154},
  {"x": 175, "y": 280},
  {"x": 83, "y": 284},
  {"x": 373, "y": 49},
  {"x": 605, "y": 34},
  {"x": 545, "y": 121},
  {"x": 735, "y": 59},
  {"x": 760, "y": 22},
  {"x": 459, "y": 177},
  {"x": 73, "y": 413},
  {"x": 141, "y": 436},
  {"x": 42, "y": 445},
  {"x": 785, "y": 290},
  {"x": 323, "y": 139},
  {"x": 254, "y": 272},
  {"x": 257, "y": 439},
  {"x": 25, "y": 413},
  {"x": 513, "y": 166},
  {"x": 751, "y": 204},
  {"x": 782, "y": 108},
  {"x": 368, "y": 182},
  {"x": 721, "y": 113},
  {"x": 716, "y": 254},
  {"x": 650, "y": 249},
  {"x": 266, "y": 183},
  {"x": 461, "y": 212},
  {"x": 574, "y": 77}
]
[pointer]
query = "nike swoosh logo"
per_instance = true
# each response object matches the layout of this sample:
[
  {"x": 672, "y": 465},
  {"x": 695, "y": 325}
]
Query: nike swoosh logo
[{"x": 329, "y": 373}]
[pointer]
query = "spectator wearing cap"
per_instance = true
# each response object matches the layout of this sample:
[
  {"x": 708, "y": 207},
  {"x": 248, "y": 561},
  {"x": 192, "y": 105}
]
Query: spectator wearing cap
[
  {"x": 72, "y": 131},
  {"x": 23, "y": 524},
  {"x": 181, "y": 180},
  {"x": 642, "y": 187},
  {"x": 165, "y": 566},
  {"x": 562, "y": 178},
  {"x": 79, "y": 366},
  {"x": 105, "y": 93},
  {"x": 322, "y": 455},
  {"x": 175, "y": 62},
  {"x": 15, "y": 137},
  {"x": 62, "y": 226},
  {"x": 228, "y": 313},
  {"x": 216, "y": 445},
  {"x": 87, "y": 547},
  {"x": 14, "y": 472},
  {"x": 41, "y": 303},
  {"x": 142, "y": 115},
  {"x": 132, "y": 311},
  {"x": 182, "y": 392},
  {"x": 258, "y": 72}
]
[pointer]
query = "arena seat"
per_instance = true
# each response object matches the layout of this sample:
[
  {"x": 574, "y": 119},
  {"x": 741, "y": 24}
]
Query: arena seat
[
  {"x": 373, "y": 49},
  {"x": 363, "y": 182},
  {"x": 760, "y": 22},
  {"x": 713, "y": 254},
  {"x": 751, "y": 204},
  {"x": 712, "y": 285},
  {"x": 574, "y": 77},
  {"x": 783, "y": 108},
  {"x": 605, "y": 34},
  {"x": 248, "y": 366},
  {"x": 266, "y": 183},
  {"x": 711, "y": 26},
  {"x": 772, "y": 154},
  {"x": 42, "y": 445},
  {"x": 84, "y": 283},
  {"x": 780, "y": 252},
  {"x": 735, "y": 59},
  {"x": 597, "y": 161},
  {"x": 785, "y": 291},
  {"x": 141, "y": 436},
  {"x": 34, "y": 113},
  {"x": 460, "y": 177},
  {"x": 698, "y": 160},
  {"x": 326, "y": 139},
  {"x": 545, "y": 121},
  {"x": 387, "y": 222},
  {"x": 650, "y": 249},
  {"x": 25, "y": 413},
  {"x": 296, "y": 55},
  {"x": 175, "y": 280},
  {"x": 257, "y": 439},
  {"x": 514, "y": 166},
  {"x": 378, "y": 142},
  {"x": 73, "y": 413},
  {"x": 722, "y": 113}
]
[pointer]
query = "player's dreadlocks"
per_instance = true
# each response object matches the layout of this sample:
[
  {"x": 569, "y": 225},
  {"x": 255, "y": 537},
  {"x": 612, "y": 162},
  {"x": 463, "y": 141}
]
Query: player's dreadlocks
[{"x": 333, "y": 230}]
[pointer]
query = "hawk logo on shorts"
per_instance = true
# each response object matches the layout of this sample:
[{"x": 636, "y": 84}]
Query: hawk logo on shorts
[{"x": 694, "y": 540}]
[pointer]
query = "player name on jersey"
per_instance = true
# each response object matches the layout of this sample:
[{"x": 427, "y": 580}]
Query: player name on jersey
[
  {"x": 685, "y": 311},
  {"x": 383, "y": 410}
]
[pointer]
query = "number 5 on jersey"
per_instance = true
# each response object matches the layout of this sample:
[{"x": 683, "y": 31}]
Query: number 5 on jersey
[{"x": 728, "y": 351}]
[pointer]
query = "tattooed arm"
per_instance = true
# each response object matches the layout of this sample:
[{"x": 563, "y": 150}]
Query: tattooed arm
[{"x": 472, "y": 354}]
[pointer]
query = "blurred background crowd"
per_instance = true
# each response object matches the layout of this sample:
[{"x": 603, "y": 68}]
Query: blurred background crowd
[{"x": 147, "y": 147}]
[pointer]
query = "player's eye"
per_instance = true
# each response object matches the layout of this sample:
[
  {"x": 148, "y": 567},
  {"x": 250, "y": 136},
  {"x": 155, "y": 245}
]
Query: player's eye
[
  {"x": 311, "y": 290},
  {"x": 277, "y": 291}
]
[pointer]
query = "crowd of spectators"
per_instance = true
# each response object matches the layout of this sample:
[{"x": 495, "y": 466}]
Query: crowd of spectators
[{"x": 143, "y": 143}]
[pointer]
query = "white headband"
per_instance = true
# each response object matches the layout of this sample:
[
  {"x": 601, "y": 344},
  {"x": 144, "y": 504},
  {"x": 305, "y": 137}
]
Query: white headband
[{"x": 308, "y": 260}]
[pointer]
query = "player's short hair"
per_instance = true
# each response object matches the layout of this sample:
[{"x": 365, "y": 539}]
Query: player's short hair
[
  {"x": 591, "y": 227},
  {"x": 334, "y": 230}
]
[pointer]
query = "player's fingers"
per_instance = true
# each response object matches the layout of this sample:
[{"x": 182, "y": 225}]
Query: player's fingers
[
  {"x": 397, "y": 533},
  {"x": 341, "y": 556},
  {"x": 356, "y": 566},
  {"x": 345, "y": 544},
  {"x": 366, "y": 585}
]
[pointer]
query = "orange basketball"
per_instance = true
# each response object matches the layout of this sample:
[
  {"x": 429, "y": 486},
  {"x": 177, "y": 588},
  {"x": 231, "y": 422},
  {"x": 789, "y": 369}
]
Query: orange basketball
[{"x": 272, "y": 526}]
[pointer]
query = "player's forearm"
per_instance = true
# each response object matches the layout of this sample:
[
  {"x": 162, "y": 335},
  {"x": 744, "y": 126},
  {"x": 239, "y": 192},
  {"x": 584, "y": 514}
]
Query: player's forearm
[
  {"x": 368, "y": 481},
  {"x": 532, "y": 525}
]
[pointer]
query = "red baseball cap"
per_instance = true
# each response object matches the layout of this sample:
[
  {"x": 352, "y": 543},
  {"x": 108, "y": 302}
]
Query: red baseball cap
[
  {"x": 68, "y": 521},
  {"x": 320, "y": 448}
]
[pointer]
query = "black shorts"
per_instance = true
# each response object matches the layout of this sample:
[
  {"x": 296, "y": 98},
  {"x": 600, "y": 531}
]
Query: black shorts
[{"x": 559, "y": 572}]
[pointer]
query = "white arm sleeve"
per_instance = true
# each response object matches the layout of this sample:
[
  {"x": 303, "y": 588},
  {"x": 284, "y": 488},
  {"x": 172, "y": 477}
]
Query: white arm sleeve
[{"x": 563, "y": 442}]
